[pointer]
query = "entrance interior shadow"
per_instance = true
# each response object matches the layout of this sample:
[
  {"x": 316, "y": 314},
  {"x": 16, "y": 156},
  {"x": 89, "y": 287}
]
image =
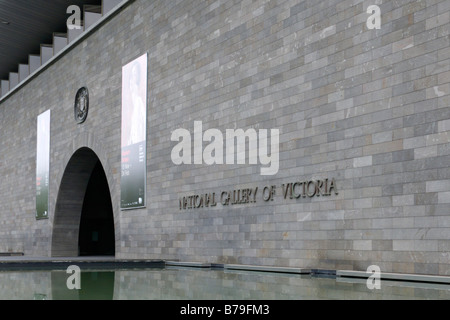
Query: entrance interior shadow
[{"x": 96, "y": 236}]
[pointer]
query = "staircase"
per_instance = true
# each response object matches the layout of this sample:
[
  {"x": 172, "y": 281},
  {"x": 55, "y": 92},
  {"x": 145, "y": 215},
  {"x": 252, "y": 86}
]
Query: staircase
[{"x": 91, "y": 14}]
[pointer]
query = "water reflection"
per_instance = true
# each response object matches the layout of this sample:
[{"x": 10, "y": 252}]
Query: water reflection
[
  {"x": 198, "y": 284},
  {"x": 95, "y": 285}
]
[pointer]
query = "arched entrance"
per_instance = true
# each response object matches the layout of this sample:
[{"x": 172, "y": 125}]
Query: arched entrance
[{"x": 84, "y": 223}]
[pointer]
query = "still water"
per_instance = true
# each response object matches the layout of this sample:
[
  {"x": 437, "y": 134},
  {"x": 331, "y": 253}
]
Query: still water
[{"x": 199, "y": 284}]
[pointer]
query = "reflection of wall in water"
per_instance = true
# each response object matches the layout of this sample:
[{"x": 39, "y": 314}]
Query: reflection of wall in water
[
  {"x": 25, "y": 285},
  {"x": 219, "y": 285},
  {"x": 195, "y": 284},
  {"x": 95, "y": 285}
]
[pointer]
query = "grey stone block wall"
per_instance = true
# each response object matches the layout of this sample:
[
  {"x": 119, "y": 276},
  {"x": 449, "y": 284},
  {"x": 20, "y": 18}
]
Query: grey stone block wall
[{"x": 369, "y": 108}]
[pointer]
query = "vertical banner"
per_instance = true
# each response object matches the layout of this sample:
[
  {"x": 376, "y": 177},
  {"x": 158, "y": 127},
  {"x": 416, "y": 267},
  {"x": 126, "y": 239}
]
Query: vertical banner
[
  {"x": 134, "y": 134},
  {"x": 42, "y": 165}
]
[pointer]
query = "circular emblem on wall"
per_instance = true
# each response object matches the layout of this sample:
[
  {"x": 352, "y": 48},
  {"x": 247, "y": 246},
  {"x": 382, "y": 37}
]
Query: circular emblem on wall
[{"x": 81, "y": 105}]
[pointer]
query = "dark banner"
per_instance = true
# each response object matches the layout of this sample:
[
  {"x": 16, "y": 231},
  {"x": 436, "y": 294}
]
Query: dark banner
[
  {"x": 134, "y": 134},
  {"x": 42, "y": 165}
]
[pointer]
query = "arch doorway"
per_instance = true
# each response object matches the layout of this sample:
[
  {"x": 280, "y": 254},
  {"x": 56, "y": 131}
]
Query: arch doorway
[{"x": 84, "y": 223}]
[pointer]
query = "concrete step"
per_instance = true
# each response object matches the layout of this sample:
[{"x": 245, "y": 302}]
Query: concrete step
[
  {"x": 13, "y": 80},
  {"x": 46, "y": 53},
  {"x": 91, "y": 15},
  {"x": 59, "y": 42},
  {"x": 34, "y": 61},
  {"x": 75, "y": 33},
  {"x": 108, "y": 5},
  {"x": 4, "y": 87},
  {"x": 24, "y": 72}
]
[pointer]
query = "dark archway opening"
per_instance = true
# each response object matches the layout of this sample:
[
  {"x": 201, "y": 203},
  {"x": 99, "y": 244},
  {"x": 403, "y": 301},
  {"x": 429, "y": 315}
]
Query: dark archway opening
[
  {"x": 96, "y": 237},
  {"x": 84, "y": 218}
]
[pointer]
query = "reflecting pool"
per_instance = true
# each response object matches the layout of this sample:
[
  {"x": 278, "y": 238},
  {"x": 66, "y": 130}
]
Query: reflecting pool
[{"x": 204, "y": 284}]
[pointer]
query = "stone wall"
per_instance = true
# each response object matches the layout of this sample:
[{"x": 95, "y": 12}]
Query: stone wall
[{"x": 366, "y": 107}]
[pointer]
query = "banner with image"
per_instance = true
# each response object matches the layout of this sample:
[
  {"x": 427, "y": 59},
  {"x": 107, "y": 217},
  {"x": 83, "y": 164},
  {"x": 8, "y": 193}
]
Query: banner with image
[
  {"x": 42, "y": 165},
  {"x": 134, "y": 134}
]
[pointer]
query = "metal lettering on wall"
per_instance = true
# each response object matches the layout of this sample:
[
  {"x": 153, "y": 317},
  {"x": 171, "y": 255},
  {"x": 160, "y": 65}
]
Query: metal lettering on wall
[{"x": 291, "y": 190}]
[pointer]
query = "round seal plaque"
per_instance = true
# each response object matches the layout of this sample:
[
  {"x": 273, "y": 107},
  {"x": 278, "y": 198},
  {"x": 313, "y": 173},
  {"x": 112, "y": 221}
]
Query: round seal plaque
[{"x": 81, "y": 105}]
